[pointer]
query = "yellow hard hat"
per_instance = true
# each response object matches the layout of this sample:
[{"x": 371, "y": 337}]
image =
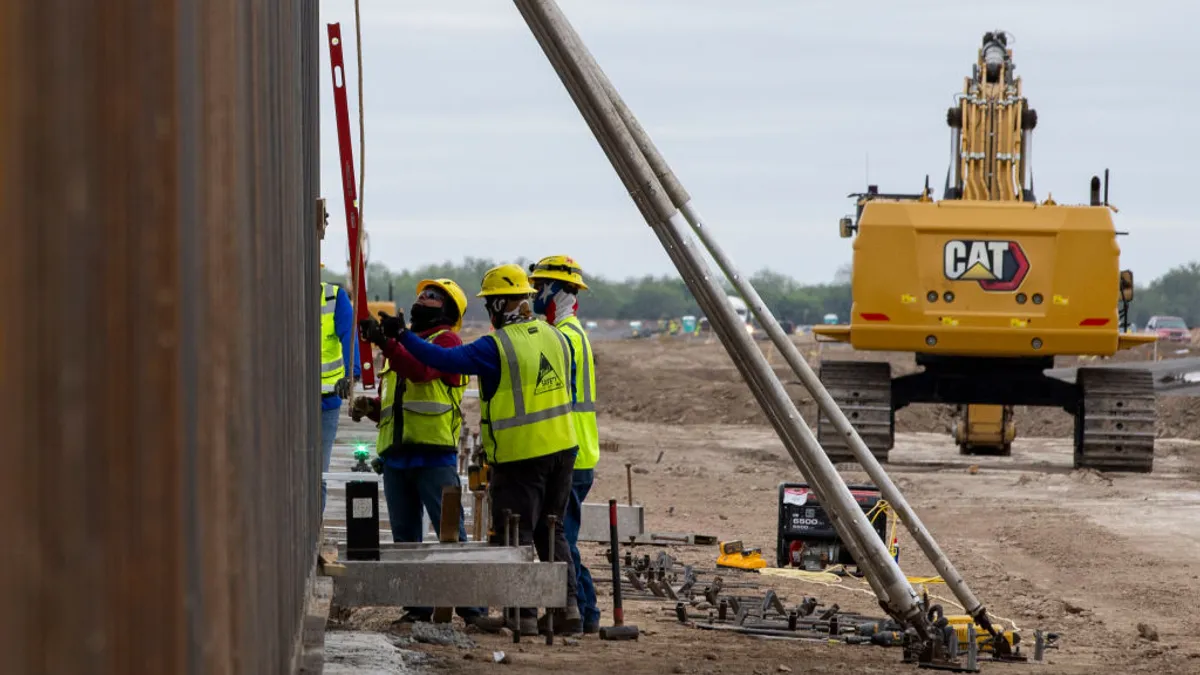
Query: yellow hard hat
[
  {"x": 450, "y": 288},
  {"x": 561, "y": 267},
  {"x": 507, "y": 279}
]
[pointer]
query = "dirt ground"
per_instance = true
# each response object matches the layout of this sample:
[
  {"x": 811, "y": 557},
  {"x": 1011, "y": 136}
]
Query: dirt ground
[
  {"x": 692, "y": 381},
  {"x": 1087, "y": 555}
]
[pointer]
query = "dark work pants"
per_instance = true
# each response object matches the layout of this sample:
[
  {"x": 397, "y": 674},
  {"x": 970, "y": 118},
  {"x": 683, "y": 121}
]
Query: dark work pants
[
  {"x": 581, "y": 484},
  {"x": 536, "y": 489}
]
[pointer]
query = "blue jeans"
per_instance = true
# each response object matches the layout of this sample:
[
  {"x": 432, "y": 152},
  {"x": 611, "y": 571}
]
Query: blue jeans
[
  {"x": 408, "y": 492},
  {"x": 585, "y": 589},
  {"x": 329, "y": 426}
]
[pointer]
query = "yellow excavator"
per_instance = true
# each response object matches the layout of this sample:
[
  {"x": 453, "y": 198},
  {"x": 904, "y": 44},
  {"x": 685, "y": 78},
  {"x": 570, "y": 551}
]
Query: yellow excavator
[{"x": 986, "y": 286}]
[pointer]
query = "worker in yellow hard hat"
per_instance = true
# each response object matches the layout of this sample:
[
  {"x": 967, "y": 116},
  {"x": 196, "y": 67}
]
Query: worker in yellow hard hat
[
  {"x": 525, "y": 369},
  {"x": 558, "y": 279},
  {"x": 419, "y": 415}
]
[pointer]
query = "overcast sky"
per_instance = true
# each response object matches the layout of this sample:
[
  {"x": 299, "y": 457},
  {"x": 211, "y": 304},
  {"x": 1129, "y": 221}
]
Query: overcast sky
[{"x": 768, "y": 110}]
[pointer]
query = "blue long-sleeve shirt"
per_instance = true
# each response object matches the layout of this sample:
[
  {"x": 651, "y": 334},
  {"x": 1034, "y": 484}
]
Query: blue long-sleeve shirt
[
  {"x": 343, "y": 325},
  {"x": 480, "y": 357}
]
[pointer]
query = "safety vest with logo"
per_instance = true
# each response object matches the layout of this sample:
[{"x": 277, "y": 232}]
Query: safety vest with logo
[
  {"x": 332, "y": 367},
  {"x": 584, "y": 412},
  {"x": 432, "y": 411},
  {"x": 529, "y": 415}
]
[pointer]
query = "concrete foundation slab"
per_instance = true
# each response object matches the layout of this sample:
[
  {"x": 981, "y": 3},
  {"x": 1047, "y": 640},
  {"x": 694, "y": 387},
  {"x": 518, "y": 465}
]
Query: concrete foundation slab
[
  {"x": 451, "y": 584},
  {"x": 451, "y": 552}
]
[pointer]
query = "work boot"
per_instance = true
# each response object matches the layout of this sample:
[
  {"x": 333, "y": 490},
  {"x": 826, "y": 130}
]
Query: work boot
[
  {"x": 591, "y": 626},
  {"x": 566, "y": 622},
  {"x": 493, "y": 624},
  {"x": 573, "y": 623}
]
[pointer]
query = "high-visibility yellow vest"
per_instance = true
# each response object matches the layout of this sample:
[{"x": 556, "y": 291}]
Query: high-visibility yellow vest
[
  {"x": 529, "y": 415},
  {"x": 332, "y": 367},
  {"x": 432, "y": 411},
  {"x": 388, "y": 381},
  {"x": 584, "y": 412}
]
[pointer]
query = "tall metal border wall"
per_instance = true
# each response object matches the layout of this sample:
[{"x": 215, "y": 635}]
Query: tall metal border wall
[{"x": 159, "y": 472}]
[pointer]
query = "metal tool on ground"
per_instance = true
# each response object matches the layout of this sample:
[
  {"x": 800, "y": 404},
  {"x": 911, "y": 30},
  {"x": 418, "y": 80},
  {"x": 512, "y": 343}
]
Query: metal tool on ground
[
  {"x": 671, "y": 539},
  {"x": 608, "y": 118},
  {"x": 617, "y": 631},
  {"x": 735, "y": 555}
]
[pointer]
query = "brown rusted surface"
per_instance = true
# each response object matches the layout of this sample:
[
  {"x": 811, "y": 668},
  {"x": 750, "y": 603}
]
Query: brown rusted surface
[{"x": 160, "y": 483}]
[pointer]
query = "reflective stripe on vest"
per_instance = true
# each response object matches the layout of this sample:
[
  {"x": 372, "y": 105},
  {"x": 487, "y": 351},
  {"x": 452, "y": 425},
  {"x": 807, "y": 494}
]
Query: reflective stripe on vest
[
  {"x": 332, "y": 366},
  {"x": 529, "y": 415},
  {"x": 432, "y": 411},
  {"x": 584, "y": 411}
]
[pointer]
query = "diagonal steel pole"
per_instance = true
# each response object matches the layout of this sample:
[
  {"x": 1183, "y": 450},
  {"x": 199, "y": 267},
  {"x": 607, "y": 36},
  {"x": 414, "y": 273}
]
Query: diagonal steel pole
[
  {"x": 686, "y": 270},
  {"x": 682, "y": 200},
  {"x": 683, "y": 264},
  {"x": 689, "y": 274},
  {"x": 892, "y": 588}
]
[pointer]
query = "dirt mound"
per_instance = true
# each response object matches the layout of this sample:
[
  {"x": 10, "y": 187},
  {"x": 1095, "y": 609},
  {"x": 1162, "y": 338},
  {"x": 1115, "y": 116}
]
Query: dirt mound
[{"x": 689, "y": 382}]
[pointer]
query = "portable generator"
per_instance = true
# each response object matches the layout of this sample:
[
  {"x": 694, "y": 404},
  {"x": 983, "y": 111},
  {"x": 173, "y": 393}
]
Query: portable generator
[{"x": 806, "y": 536}]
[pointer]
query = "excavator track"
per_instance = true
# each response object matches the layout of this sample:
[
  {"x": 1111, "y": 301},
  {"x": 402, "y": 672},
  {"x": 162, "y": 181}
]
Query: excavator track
[
  {"x": 1115, "y": 420},
  {"x": 863, "y": 390}
]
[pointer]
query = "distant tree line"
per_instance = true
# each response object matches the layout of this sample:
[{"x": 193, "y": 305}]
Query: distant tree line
[
  {"x": 662, "y": 297},
  {"x": 1176, "y": 293}
]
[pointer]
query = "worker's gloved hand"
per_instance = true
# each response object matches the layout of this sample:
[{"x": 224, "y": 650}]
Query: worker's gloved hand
[
  {"x": 377, "y": 465},
  {"x": 342, "y": 388},
  {"x": 364, "y": 406},
  {"x": 393, "y": 326},
  {"x": 372, "y": 331}
]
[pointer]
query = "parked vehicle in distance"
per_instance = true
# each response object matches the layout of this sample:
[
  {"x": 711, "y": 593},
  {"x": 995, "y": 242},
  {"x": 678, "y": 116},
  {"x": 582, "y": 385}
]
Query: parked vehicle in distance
[{"x": 1169, "y": 329}]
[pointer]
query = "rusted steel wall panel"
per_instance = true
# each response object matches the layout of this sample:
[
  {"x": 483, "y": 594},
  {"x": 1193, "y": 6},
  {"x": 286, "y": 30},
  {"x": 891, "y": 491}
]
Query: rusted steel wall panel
[{"x": 159, "y": 468}]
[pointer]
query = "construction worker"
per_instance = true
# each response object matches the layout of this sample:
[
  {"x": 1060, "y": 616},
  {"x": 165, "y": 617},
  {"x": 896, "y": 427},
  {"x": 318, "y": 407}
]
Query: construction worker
[
  {"x": 418, "y": 448},
  {"x": 337, "y": 349},
  {"x": 525, "y": 369},
  {"x": 558, "y": 280}
]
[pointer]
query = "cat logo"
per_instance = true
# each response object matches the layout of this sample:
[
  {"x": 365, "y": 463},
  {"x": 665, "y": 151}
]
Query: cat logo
[
  {"x": 547, "y": 379},
  {"x": 995, "y": 265}
]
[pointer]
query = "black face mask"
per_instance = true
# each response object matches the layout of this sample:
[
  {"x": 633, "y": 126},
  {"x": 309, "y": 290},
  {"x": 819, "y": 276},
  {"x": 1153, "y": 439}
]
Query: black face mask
[{"x": 424, "y": 317}]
